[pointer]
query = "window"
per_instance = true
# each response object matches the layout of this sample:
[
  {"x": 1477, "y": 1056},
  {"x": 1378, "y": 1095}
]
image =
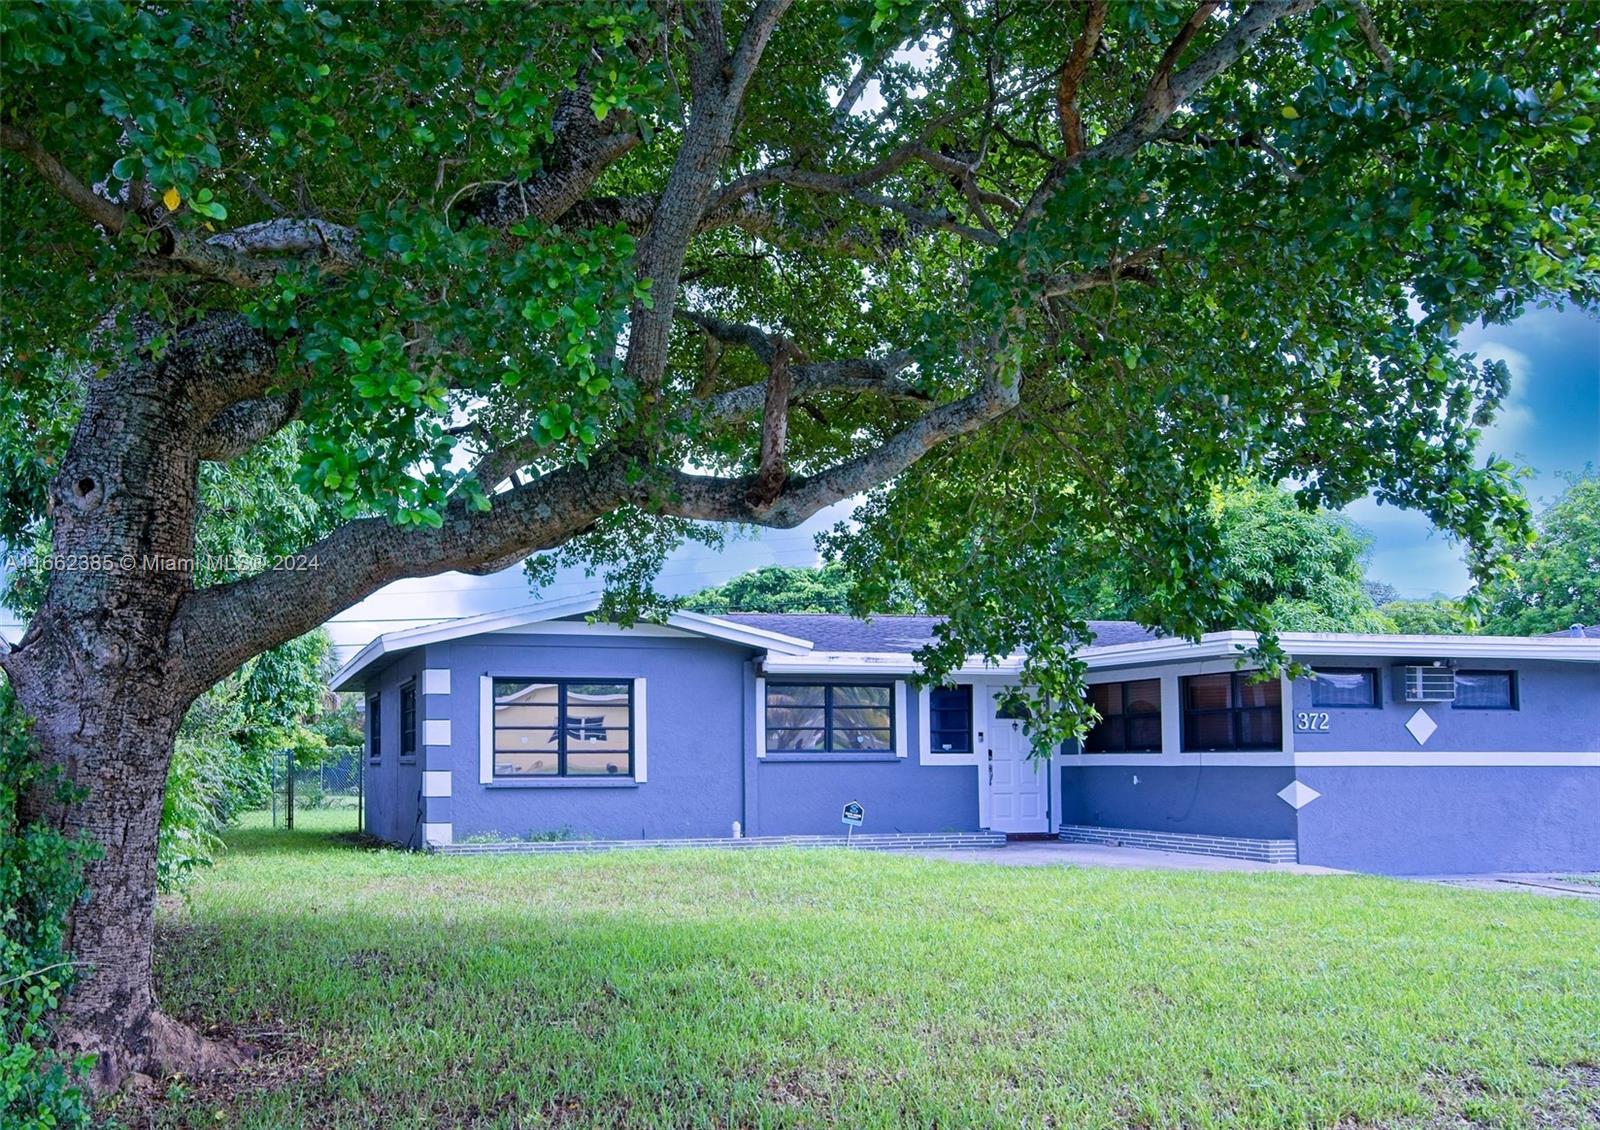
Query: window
[
  {"x": 375, "y": 727},
  {"x": 950, "y": 719},
  {"x": 408, "y": 720},
  {"x": 1345, "y": 686},
  {"x": 563, "y": 728},
  {"x": 1130, "y": 717},
  {"x": 830, "y": 717},
  {"x": 1486, "y": 690},
  {"x": 1230, "y": 712}
]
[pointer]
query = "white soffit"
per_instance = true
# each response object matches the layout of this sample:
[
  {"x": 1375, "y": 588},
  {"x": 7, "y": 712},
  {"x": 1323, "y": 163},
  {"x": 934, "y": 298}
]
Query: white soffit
[{"x": 774, "y": 643}]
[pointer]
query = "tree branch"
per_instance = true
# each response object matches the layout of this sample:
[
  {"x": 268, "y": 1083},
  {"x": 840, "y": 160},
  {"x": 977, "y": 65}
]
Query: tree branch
[
  {"x": 1369, "y": 29},
  {"x": 855, "y": 375},
  {"x": 108, "y": 214},
  {"x": 772, "y": 466},
  {"x": 683, "y": 204},
  {"x": 241, "y": 426},
  {"x": 218, "y": 628},
  {"x": 1174, "y": 89},
  {"x": 1158, "y": 95},
  {"x": 1072, "y": 72},
  {"x": 707, "y": 498}
]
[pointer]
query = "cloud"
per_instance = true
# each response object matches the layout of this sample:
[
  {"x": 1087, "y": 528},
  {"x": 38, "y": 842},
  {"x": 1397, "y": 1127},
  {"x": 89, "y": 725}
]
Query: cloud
[{"x": 1515, "y": 423}]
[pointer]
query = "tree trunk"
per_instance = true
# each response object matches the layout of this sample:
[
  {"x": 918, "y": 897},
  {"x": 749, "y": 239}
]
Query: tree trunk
[
  {"x": 97, "y": 673},
  {"x": 113, "y": 738}
]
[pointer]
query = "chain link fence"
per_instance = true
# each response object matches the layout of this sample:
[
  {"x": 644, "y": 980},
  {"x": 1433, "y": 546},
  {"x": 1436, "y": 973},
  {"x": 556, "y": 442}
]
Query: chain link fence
[{"x": 326, "y": 794}]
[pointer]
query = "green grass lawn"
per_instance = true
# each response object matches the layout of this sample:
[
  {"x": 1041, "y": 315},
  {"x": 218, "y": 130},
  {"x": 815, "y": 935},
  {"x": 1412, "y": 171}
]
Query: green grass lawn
[{"x": 805, "y": 988}]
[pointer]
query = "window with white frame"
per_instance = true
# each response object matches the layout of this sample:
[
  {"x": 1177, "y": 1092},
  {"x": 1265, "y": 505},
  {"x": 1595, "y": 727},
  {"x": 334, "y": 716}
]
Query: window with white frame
[
  {"x": 830, "y": 717},
  {"x": 950, "y": 719},
  {"x": 563, "y": 728}
]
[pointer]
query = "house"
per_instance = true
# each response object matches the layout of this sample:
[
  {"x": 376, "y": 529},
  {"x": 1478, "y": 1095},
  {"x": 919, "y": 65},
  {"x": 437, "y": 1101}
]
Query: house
[{"x": 1405, "y": 754}]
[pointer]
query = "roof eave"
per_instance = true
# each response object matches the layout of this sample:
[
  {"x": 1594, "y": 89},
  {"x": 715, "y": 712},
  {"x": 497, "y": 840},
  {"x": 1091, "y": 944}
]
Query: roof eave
[{"x": 349, "y": 676}]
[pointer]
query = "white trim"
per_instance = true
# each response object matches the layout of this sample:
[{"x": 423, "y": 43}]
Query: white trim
[
  {"x": 1335, "y": 758},
  {"x": 485, "y": 730},
  {"x": 1286, "y": 710},
  {"x": 436, "y": 782},
  {"x": 926, "y": 754},
  {"x": 699, "y": 624},
  {"x": 1216, "y": 644},
  {"x": 900, "y": 747},
  {"x": 585, "y": 628},
  {"x": 436, "y": 731},
  {"x": 761, "y": 716},
  {"x": 880, "y": 663},
  {"x": 1457, "y": 758},
  {"x": 1053, "y": 767},
  {"x": 641, "y": 764},
  {"x": 436, "y": 680},
  {"x": 1174, "y": 760},
  {"x": 437, "y": 835}
]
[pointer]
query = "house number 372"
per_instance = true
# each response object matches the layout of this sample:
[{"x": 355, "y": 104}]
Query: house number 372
[{"x": 1311, "y": 722}]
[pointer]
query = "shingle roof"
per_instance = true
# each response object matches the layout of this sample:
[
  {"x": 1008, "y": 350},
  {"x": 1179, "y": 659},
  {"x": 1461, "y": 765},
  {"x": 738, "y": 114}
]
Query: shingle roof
[
  {"x": 831, "y": 632},
  {"x": 1578, "y": 631}
]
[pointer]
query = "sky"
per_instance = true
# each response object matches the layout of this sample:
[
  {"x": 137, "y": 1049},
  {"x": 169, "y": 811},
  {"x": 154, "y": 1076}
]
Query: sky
[{"x": 1550, "y": 424}]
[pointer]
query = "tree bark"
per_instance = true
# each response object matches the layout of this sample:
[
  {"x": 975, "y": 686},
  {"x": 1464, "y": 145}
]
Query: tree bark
[
  {"x": 112, "y": 735},
  {"x": 95, "y": 673}
]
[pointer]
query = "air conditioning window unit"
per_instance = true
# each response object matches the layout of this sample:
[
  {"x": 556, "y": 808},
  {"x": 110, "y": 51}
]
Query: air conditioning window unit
[{"x": 1431, "y": 683}]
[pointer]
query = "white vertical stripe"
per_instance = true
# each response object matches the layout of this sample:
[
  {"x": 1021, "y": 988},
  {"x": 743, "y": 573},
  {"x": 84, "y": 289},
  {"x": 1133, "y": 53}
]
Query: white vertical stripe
[
  {"x": 924, "y": 723},
  {"x": 1171, "y": 714},
  {"x": 1286, "y": 706},
  {"x": 900, "y": 748},
  {"x": 485, "y": 730},
  {"x": 761, "y": 716},
  {"x": 641, "y": 762}
]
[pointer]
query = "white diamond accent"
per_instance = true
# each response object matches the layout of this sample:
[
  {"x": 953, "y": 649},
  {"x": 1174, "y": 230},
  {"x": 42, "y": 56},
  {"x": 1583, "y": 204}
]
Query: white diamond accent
[
  {"x": 1421, "y": 726},
  {"x": 1298, "y": 794}
]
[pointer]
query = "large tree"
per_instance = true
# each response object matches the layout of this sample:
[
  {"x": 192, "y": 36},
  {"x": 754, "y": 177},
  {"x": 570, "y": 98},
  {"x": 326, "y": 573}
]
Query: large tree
[
  {"x": 1554, "y": 581},
  {"x": 585, "y": 274},
  {"x": 779, "y": 588}
]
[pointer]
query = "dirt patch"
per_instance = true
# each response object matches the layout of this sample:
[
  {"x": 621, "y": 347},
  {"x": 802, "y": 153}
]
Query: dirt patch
[
  {"x": 1569, "y": 1101},
  {"x": 284, "y": 1058}
]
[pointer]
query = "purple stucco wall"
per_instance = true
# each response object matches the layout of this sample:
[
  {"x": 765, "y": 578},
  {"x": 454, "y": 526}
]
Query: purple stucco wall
[
  {"x": 1439, "y": 819},
  {"x": 803, "y": 794},
  {"x": 1558, "y": 710},
  {"x": 694, "y": 737},
  {"x": 703, "y": 773},
  {"x": 1213, "y": 800},
  {"x": 702, "y": 715},
  {"x": 1455, "y": 820}
]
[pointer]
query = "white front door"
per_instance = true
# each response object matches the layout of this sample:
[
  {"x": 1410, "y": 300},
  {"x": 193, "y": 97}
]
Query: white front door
[{"x": 1018, "y": 785}]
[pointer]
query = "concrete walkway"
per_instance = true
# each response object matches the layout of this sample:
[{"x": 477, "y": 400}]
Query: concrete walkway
[
  {"x": 1529, "y": 882},
  {"x": 1046, "y": 853}
]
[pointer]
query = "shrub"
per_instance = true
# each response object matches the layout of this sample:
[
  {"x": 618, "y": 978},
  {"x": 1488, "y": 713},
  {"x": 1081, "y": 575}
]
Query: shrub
[{"x": 41, "y": 876}]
